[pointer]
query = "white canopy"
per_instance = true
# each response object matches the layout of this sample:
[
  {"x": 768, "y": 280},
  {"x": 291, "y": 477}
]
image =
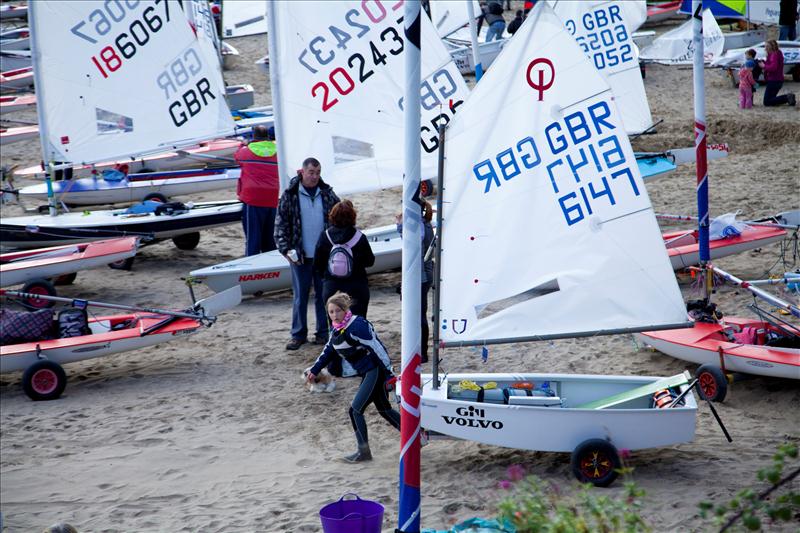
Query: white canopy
[
  {"x": 548, "y": 229},
  {"x": 114, "y": 81}
]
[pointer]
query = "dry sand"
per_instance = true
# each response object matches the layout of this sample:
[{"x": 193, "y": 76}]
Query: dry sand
[{"x": 216, "y": 433}]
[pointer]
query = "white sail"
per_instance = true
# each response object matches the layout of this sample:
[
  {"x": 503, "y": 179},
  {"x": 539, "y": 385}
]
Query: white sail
[
  {"x": 449, "y": 15},
  {"x": 244, "y": 17},
  {"x": 341, "y": 72},
  {"x": 676, "y": 48},
  {"x": 115, "y": 80},
  {"x": 202, "y": 23},
  {"x": 548, "y": 228},
  {"x": 604, "y": 30}
]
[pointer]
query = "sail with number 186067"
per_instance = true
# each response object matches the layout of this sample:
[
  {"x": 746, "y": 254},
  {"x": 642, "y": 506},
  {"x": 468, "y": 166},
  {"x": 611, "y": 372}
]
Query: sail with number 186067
[{"x": 122, "y": 79}]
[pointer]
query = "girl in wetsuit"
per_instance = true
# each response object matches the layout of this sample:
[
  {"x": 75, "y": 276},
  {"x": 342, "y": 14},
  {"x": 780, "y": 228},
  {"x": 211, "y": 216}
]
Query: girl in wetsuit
[{"x": 354, "y": 345}]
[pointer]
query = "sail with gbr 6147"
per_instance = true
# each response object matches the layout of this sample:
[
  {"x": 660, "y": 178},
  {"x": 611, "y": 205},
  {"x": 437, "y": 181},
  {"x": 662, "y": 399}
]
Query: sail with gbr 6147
[{"x": 548, "y": 229}]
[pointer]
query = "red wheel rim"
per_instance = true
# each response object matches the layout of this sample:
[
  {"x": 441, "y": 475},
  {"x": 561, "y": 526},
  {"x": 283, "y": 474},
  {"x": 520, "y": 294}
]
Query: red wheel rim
[
  {"x": 38, "y": 302},
  {"x": 44, "y": 381},
  {"x": 708, "y": 385},
  {"x": 596, "y": 464}
]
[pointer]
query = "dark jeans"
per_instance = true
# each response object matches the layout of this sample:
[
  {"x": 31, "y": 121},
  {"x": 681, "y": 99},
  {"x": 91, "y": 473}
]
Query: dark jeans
[
  {"x": 372, "y": 390},
  {"x": 787, "y": 33},
  {"x": 259, "y": 229},
  {"x": 357, "y": 290},
  {"x": 303, "y": 276},
  {"x": 771, "y": 97}
]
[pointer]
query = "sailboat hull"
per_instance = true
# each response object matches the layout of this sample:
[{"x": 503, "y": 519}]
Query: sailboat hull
[
  {"x": 560, "y": 427},
  {"x": 93, "y": 191},
  {"x": 21, "y": 267},
  {"x": 683, "y": 247},
  {"x": 270, "y": 271},
  {"x": 701, "y": 345},
  {"x": 44, "y": 230}
]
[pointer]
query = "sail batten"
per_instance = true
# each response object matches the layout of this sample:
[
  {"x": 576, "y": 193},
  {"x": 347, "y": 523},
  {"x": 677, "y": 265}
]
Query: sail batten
[{"x": 542, "y": 190}]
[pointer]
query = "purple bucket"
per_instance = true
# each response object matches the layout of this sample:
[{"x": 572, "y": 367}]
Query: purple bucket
[{"x": 352, "y": 516}]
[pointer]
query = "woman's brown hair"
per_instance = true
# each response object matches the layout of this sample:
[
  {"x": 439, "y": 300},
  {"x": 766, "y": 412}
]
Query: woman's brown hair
[{"x": 343, "y": 214}]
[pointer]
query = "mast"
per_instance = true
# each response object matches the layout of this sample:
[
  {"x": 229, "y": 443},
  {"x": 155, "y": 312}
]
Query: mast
[
  {"x": 437, "y": 263},
  {"x": 700, "y": 140},
  {"x": 47, "y": 156},
  {"x": 275, "y": 87},
  {"x": 473, "y": 34},
  {"x": 409, "y": 512}
]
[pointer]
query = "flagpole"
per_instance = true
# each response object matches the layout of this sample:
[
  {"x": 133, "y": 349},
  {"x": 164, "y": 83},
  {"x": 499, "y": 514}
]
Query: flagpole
[
  {"x": 275, "y": 88},
  {"x": 700, "y": 139},
  {"x": 409, "y": 499},
  {"x": 473, "y": 34}
]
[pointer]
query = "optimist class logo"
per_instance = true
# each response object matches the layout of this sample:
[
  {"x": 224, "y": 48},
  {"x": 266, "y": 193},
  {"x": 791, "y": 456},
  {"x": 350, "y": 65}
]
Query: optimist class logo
[{"x": 547, "y": 67}]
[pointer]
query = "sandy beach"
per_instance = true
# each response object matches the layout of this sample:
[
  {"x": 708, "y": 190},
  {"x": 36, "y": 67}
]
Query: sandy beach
[{"x": 216, "y": 432}]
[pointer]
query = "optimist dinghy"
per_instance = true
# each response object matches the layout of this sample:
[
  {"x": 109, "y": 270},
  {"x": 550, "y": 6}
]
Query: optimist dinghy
[
  {"x": 9, "y": 104},
  {"x": 181, "y": 223},
  {"x": 135, "y": 187},
  {"x": 18, "y": 134},
  {"x": 605, "y": 270},
  {"x": 15, "y": 80},
  {"x": 270, "y": 271},
  {"x": 684, "y": 249},
  {"x": 41, "y": 359},
  {"x": 43, "y": 263}
]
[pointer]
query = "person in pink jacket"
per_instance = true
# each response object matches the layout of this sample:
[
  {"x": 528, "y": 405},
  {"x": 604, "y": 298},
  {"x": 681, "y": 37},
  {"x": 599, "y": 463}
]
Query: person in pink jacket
[
  {"x": 773, "y": 74},
  {"x": 746, "y": 84}
]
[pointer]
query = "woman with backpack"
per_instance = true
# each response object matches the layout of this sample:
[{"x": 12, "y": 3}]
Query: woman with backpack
[{"x": 342, "y": 257}]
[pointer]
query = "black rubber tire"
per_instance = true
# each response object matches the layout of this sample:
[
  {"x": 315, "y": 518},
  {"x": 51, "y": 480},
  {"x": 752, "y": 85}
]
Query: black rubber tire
[
  {"x": 712, "y": 384},
  {"x": 156, "y": 197},
  {"x": 187, "y": 241},
  {"x": 66, "y": 279},
  {"x": 39, "y": 286},
  {"x": 596, "y": 461},
  {"x": 44, "y": 380},
  {"x": 122, "y": 264}
]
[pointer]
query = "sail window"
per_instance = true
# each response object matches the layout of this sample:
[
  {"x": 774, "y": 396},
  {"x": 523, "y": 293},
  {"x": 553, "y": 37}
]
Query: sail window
[{"x": 488, "y": 309}]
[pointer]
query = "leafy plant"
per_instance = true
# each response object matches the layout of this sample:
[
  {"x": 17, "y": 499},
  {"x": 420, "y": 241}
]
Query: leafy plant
[
  {"x": 778, "y": 501},
  {"x": 537, "y": 506}
]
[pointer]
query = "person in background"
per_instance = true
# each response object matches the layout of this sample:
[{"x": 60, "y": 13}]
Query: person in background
[
  {"x": 495, "y": 21},
  {"x": 773, "y": 74},
  {"x": 527, "y": 6},
  {"x": 757, "y": 70},
  {"x": 354, "y": 346},
  {"x": 426, "y": 276},
  {"x": 515, "y": 24},
  {"x": 787, "y": 20},
  {"x": 343, "y": 230},
  {"x": 746, "y": 84},
  {"x": 258, "y": 189},
  {"x": 303, "y": 212}
]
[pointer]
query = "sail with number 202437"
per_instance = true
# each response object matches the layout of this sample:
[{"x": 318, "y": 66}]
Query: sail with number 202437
[
  {"x": 121, "y": 79},
  {"x": 548, "y": 232},
  {"x": 340, "y": 66}
]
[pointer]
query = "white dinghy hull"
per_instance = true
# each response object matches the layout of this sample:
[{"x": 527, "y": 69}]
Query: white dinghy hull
[{"x": 560, "y": 427}]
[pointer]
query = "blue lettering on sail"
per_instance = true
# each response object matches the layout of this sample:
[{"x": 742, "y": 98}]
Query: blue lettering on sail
[{"x": 584, "y": 161}]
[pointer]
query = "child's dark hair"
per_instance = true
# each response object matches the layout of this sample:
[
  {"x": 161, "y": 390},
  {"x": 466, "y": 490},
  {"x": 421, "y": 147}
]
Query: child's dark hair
[{"x": 750, "y": 53}]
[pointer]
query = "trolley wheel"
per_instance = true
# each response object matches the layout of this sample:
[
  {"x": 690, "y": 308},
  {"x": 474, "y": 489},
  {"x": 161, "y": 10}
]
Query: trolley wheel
[
  {"x": 122, "y": 264},
  {"x": 66, "y": 279},
  {"x": 188, "y": 241},
  {"x": 44, "y": 380},
  {"x": 711, "y": 383},
  {"x": 596, "y": 461},
  {"x": 38, "y": 286},
  {"x": 156, "y": 197}
]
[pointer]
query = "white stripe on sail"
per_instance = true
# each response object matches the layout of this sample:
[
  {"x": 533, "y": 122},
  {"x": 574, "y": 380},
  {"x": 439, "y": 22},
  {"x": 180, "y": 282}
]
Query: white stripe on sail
[
  {"x": 548, "y": 228},
  {"x": 143, "y": 65}
]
